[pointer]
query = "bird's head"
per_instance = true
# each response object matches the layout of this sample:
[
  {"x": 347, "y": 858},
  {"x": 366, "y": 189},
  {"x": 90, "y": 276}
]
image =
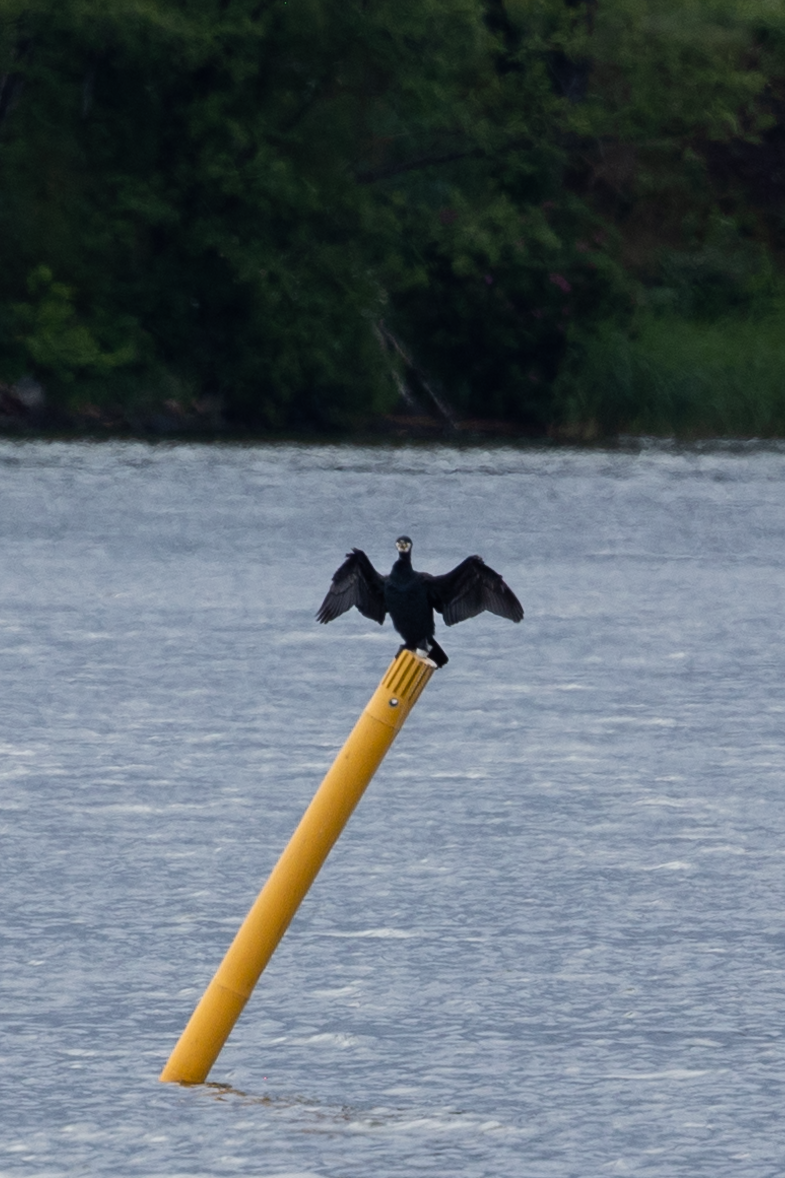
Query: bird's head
[{"x": 403, "y": 544}]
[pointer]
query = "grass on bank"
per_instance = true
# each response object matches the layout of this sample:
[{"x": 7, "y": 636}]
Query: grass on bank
[{"x": 675, "y": 376}]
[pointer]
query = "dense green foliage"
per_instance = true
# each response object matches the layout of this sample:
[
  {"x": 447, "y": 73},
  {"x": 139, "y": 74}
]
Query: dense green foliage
[
  {"x": 557, "y": 208},
  {"x": 717, "y": 378}
]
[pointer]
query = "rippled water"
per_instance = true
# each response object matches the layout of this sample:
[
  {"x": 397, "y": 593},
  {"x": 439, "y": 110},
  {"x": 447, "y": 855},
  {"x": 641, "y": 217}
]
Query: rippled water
[{"x": 550, "y": 942}]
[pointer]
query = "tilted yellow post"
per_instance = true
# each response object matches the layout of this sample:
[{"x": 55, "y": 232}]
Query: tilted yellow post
[{"x": 309, "y": 846}]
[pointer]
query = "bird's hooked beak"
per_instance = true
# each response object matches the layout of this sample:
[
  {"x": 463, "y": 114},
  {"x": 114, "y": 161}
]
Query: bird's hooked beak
[{"x": 403, "y": 544}]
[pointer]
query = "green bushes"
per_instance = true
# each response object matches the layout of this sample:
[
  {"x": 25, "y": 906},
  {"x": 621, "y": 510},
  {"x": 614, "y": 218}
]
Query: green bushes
[
  {"x": 225, "y": 201},
  {"x": 682, "y": 377},
  {"x": 51, "y": 339}
]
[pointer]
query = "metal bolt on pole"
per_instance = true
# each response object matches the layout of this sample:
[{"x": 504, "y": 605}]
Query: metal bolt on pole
[{"x": 220, "y": 1007}]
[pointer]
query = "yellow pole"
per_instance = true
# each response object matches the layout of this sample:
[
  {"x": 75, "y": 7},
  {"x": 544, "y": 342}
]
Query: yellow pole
[{"x": 223, "y": 1000}]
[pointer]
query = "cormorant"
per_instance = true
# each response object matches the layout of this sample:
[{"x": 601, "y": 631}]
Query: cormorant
[{"x": 410, "y": 597}]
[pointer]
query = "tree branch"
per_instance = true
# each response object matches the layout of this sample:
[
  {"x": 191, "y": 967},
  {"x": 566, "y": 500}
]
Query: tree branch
[
  {"x": 426, "y": 161},
  {"x": 444, "y": 409}
]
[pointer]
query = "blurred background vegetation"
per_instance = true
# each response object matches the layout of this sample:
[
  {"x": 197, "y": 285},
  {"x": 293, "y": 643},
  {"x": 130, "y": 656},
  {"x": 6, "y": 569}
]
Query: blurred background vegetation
[{"x": 566, "y": 215}]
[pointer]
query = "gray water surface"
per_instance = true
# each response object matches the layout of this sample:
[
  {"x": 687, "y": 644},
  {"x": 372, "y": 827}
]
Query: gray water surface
[{"x": 551, "y": 940}]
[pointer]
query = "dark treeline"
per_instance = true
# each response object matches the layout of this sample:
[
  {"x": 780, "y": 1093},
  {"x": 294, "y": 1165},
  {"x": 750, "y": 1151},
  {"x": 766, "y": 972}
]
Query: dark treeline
[{"x": 564, "y": 214}]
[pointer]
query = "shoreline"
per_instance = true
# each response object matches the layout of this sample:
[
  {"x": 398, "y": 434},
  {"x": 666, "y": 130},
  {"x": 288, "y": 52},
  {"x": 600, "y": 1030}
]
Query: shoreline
[
  {"x": 464, "y": 439},
  {"x": 204, "y": 422}
]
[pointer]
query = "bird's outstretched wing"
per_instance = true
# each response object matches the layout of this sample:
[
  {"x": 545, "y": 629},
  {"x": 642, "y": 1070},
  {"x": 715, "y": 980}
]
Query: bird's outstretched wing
[
  {"x": 356, "y": 582},
  {"x": 469, "y": 589}
]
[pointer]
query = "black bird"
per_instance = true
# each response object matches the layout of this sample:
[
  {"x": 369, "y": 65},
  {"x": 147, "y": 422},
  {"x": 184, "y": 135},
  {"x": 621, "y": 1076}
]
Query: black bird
[{"x": 410, "y": 597}]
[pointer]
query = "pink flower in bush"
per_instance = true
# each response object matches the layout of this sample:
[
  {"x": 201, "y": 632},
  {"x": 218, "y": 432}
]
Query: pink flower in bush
[{"x": 560, "y": 281}]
